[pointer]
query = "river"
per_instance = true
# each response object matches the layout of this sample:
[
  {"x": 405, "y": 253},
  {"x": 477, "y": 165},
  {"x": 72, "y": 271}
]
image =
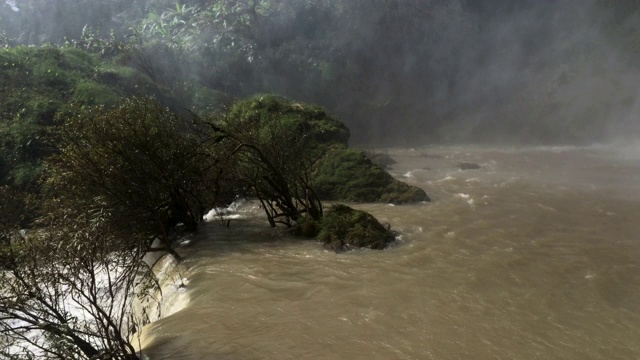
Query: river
[{"x": 536, "y": 255}]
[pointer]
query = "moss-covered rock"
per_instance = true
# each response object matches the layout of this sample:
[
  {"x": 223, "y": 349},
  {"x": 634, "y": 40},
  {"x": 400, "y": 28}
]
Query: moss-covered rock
[
  {"x": 344, "y": 228},
  {"x": 340, "y": 174},
  {"x": 313, "y": 120},
  {"x": 348, "y": 175}
]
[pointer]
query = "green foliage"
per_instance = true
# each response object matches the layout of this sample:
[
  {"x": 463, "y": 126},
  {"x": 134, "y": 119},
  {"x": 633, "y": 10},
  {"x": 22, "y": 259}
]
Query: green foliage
[
  {"x": 22, "y": 146},
  {"x": 127, "y": 81},
  {"x": 336, "y": 53},
  {"x": 80, "y": 59},
  {"x": 92, "y": 42},
  {"x": 91, "y": 93},
  {"x": 317, "y": 125},
  {"x": 177, "y": 25},
  {"x": 308, "y": 147},
  {"x": 343, "y": 228},
  {"x": 204, "y": 100},
  {"x": 274, "y": 144},
  {"x": 26, "y": 174},
  {"x": 348, "y": 175},
  {"x": 36, "y": 83},
  {"x": 53, "y": 21},
  {"x": 146, "y": 166}
]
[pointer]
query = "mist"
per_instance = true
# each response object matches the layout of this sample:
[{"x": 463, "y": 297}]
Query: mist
[
  {"x": 544, "y": 73},
  {"x": 534, "y": 72},
  {"x": 399, "y": 72}
]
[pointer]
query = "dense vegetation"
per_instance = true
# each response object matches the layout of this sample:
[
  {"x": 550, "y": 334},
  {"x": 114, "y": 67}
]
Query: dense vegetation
[
  {"x": 120, "y": 125},
  {"x": 102, "y": 164},
  {"x": 535, "y": 71}
]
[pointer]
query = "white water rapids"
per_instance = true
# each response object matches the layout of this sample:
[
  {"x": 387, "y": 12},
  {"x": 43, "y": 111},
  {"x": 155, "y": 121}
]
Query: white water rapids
[{"x": 536, "y": 255}]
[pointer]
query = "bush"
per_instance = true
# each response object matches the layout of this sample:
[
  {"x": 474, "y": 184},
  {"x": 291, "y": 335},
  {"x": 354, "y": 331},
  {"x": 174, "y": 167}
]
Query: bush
[
  {"x": 72, "y": 285},
  {"x": 274, "y": 143},
  {"x": 146, "y": 166}
]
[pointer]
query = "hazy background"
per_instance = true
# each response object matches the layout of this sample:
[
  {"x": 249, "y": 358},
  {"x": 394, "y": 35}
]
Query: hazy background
[{"x": 397, "y": 72}]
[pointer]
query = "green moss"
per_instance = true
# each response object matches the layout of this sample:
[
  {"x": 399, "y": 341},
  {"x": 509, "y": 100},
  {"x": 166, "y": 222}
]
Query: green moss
[
  {"x": 127, "y": 80},
  {"x": 204, "y": 100},
  {"x": 37, "y": 83},
  {"x": 91, "y": 93},
  {"x": 401, "y": 193},
  {"x": 314, "y": 120},
  {"x": 79, "y": 60},
  {"x": 340, "y": 173},
  {"x": 348, "y": 175},
  {"x": 42, "y": 109},
  {"x": 344, "y": 228},
  {"x": 45, "y": 66},
  {"x": 52, "y": 76}
]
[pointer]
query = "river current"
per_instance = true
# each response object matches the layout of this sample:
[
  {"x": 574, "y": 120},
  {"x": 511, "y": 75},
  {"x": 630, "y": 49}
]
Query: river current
[{"x": 536, "y": 255}]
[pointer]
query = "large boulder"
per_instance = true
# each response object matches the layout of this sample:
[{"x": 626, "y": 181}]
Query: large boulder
[{"x": 343, "y": 228}]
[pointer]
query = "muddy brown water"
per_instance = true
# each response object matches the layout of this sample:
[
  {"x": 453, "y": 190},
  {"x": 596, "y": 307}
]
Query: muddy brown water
[{"x": 536, "y": 255}]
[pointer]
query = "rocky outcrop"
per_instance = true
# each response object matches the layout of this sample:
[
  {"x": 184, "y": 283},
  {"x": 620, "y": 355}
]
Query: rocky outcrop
[
  {"x": 348, "y": 175},
  {"x": 343, "y": 228}
]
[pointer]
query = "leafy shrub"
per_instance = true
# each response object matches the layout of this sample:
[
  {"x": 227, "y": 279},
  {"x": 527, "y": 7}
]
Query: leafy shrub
[
  {"x": 275, "y": 143},
  {"x": 146, "y": 166}
]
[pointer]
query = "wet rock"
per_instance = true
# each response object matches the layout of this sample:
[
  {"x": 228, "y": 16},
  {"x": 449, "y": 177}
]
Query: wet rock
[{"x": 344, "y": 228}]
